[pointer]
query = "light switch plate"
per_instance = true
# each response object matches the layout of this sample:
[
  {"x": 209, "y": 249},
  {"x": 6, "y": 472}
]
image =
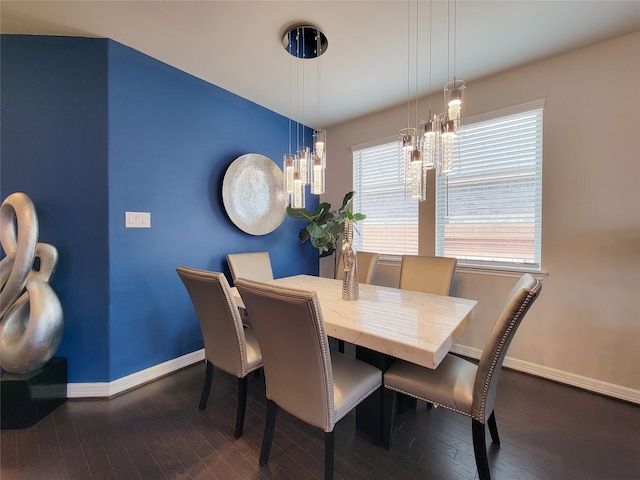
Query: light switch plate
[{"x": 137, "y": 219}]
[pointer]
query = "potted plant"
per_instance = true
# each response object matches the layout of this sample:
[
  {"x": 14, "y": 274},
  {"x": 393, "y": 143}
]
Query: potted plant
[{"x": 325, "y": 226}]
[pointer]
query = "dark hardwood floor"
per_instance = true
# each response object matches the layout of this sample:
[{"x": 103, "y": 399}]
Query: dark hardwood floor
[{"x": 548, "y": 431}]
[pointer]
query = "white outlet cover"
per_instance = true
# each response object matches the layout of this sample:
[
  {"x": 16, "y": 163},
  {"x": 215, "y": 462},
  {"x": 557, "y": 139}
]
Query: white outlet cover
[{"x": 137, "y": 219}]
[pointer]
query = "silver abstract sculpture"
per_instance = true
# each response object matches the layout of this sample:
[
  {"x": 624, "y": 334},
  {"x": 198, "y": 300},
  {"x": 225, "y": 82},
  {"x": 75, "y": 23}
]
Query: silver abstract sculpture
[
  {"x": 30, "y": 313},
  {"x": 350, "y": 286}
]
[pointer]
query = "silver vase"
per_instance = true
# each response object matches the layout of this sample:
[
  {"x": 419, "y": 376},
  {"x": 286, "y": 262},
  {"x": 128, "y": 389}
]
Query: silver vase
[{"x": 350, "y": 288}]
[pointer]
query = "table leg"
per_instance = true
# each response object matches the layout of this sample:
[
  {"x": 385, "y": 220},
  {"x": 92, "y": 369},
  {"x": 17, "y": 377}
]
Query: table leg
[{"x": 369, "y": 413}]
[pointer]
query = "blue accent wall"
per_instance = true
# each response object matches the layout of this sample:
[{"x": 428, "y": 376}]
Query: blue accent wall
[
  {"x": 91, "y": 129},
  {"x": 53, "y": 147}
]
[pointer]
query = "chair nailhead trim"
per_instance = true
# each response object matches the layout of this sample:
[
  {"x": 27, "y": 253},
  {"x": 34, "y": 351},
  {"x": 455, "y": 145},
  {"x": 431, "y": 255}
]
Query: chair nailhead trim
[
  {"x": 236, "y": 321},
  {"x": 494, "y": 360},
  {"x": 429, "y": 401}
]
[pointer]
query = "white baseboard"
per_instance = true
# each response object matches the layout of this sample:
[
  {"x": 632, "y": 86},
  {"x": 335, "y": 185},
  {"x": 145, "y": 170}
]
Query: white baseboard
[
  {"x": 586, "y": 383},
  {"x": 108, "y": 389}
]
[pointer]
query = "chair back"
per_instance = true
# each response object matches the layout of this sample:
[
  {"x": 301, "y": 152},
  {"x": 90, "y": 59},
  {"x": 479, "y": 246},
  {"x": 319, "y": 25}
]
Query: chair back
[
  {"x": 367, "y": 263},
  {"x": 225, "y": 344},
  {"x": 427, "y": 274},
  {"x": 518, "y": 303},
  {"x": 295, "y": 350},
  {"x": 251, "y": 265}
]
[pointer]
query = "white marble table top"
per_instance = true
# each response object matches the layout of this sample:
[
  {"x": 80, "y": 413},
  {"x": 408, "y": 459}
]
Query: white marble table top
[{"x": 417, "y": 327}]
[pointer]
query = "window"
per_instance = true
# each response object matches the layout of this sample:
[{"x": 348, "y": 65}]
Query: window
[
  {"x": 488, "y": 212},
  {"x": 391, "y": 226}
]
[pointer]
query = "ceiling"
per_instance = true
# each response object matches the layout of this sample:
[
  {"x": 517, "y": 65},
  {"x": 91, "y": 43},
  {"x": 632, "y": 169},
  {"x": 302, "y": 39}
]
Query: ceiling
[{"x": 371, "y": 62}]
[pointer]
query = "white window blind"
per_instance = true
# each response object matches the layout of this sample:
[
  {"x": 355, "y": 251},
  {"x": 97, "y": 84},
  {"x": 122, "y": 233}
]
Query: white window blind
[
  {"x": 489, "y": 211},
  {"x": 391, "y": 226}
]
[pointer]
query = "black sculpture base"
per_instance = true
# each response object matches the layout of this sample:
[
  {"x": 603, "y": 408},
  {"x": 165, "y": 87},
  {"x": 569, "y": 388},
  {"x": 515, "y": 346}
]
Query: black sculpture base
[{"x": 29, "y": 397}]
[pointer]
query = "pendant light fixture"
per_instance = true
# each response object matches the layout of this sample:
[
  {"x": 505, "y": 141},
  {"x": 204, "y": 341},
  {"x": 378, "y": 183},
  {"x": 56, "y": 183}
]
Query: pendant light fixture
[
  {"x": 453, "y": 101},
  {"x": 430, "y": 141},
  {"x": 435, "y": 146},
  {"x": 412, "y": 161},
  {"x": 306, "y": 166}
]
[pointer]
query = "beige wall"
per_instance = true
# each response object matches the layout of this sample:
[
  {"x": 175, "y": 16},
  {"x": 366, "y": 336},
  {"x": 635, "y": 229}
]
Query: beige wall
[{"x": 585, "y": 328}]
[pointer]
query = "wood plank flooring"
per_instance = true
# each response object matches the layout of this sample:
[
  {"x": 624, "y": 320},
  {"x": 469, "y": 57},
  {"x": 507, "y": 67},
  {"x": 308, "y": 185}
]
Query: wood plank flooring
[{"x": 548, "y": 432}]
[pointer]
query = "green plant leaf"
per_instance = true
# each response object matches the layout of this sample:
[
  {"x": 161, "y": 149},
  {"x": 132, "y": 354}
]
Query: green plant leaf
[
  {"x": 321, "y": 210},
  {"x": 336, "y": 229},
  {"x": 345, "y": 201},
  {"x": 319, "y": 236},
  {"x": 325, "y": 218},
  {"x": 328, "y": 252},
  {"x": 304, "y": 235},
  {"x": 299, "y": 214}
]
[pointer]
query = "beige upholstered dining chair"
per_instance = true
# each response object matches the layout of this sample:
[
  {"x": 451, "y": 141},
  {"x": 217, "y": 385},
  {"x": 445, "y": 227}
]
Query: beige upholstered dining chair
[
  {"x": 251, "y": 265},
  {"x": 461, "y": 385},
  {"x": 228, "y": 345},
  {"x": 427, "y": 274},
  {"x": 302, "y": 376},
  {"x": 367, "y": 263}
]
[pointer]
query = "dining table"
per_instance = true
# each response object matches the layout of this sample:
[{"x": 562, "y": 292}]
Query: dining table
[{"x": 385, "y": 323}]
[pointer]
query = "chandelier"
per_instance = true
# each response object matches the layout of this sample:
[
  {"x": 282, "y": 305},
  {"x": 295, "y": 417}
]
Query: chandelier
[
  {"x": 306, "y": 166},
  {"x": 432, "y": 145}
]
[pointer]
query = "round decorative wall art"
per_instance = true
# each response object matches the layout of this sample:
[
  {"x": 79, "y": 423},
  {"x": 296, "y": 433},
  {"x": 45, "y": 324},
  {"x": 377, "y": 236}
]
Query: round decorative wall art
[{"x": 253, "y": 194}]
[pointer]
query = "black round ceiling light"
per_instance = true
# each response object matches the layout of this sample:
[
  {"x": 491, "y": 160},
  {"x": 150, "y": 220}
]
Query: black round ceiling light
[{"x": 305, "y": 41}]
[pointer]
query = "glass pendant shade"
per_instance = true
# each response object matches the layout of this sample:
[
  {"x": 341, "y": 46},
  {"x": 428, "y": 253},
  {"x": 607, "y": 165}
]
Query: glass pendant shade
[
  {"x": 319, "y": 162},
  {"x": 453, "y": 99},
  {"x": 407, "y": 147},
  {"x": 317, "y": 176},
  {"x": 430, "y": 140},
  {"x": 304, "y": 163},
  {"x": 414, "y": 171},
  {"x": 319, "y": 142},
  {"x": 448, "y": 138},
  {"x": 297, "y": 199},
  {"x": 288, "y": 169},
  {"x": 418, "y": 177},
  {"x": 446, "y": 159}
]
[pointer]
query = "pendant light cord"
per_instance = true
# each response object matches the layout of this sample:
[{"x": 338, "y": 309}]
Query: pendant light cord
[
  {"x": 417, "y": 61},
  {"x": 289, "y": 108},
  {"x": 448, "y": 40},
  {"x": 318, "y": 75},
  {"x": 455, "y": 21},
  {"x": 408, "y": 61},
  {"x": 430, "y": 37}
]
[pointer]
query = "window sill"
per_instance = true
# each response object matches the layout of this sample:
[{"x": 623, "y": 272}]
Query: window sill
[
  {"x": 500, "y": 271},
  {"x": 396, "y": 260}
]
